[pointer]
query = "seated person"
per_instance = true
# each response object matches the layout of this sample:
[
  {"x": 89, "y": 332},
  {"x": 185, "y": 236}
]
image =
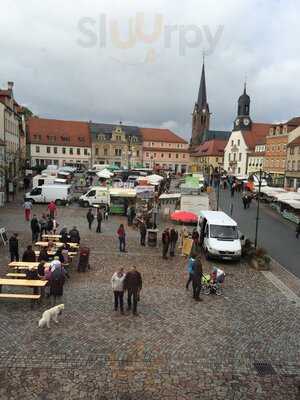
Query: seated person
[
  {"x": 59, "y": 255},
  {"x": 31, "y": 273},
  {"x": 29, "y": 255},
  {"x": 41, "y": 269},
  {"x": 65, "y": 254},
  {"x": 43, "y": 256}
]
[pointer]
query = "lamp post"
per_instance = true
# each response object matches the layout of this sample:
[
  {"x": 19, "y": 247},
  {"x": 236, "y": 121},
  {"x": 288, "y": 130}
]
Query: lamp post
[
  {"x": 257, "y": 210},
  {"x": 219, "y": 182}
]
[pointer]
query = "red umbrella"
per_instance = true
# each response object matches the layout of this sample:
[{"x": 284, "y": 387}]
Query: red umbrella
[{"x": 184, "y": 216}]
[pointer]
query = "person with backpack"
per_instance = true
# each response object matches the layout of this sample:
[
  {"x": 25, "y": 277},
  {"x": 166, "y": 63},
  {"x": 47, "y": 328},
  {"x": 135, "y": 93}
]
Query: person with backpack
[
  {"x": 197, "y": 278},
  {"x": 190, "y": 271},
  {"x": 74, "y": 235},
  {"x": 165, "y": 242},
  {"x": 90, "y": 218},
  {"x": 57, "y": 281},
  {"x": 35, "y": 229},
  {"x": 173, "y": 241},
  {"x": 99, "y": 220}
]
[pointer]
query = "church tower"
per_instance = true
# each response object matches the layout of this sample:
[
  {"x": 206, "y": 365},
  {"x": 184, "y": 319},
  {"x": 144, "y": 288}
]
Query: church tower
[
  {"x": 243, "y": 121},
  {"x": 201, "y": 113}
]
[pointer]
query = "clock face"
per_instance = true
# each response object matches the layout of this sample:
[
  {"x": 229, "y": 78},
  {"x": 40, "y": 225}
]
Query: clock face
[
  {"x": 246, "y": 121},
  {"x": 237, "y": 121},
  {"x": 204, "y": 111}
]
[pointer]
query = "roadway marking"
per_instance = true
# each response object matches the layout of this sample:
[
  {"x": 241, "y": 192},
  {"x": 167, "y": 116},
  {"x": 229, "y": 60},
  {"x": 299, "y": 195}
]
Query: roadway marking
[{"x": 289, "y": 294}]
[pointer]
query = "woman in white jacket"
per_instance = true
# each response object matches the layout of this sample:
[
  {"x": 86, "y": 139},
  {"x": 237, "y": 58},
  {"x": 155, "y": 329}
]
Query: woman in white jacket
[{"x": 117, "y": 283}]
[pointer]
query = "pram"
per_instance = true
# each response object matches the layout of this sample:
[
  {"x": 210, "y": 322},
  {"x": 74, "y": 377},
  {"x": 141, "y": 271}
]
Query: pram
[
  {"x": 83, "y": 262},
  {"x": 212, "y": 283}
]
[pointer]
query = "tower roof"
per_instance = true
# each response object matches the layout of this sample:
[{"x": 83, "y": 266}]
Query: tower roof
[
  {"x": 202, "y": 99},
  {"x": 244, "y": 98}
]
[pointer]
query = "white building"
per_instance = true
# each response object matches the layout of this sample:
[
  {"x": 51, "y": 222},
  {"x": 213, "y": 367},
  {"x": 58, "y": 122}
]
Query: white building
[{"x": 58, "y": 142}]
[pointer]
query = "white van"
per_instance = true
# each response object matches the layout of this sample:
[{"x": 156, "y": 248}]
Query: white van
[
  {"x": 219, "y": 235},
  {"x": 61, "y": 194},
  {"x": 98, "y": 168},
  {"x": 96, "y": 195},
  {"x": 40, "y": 180}
]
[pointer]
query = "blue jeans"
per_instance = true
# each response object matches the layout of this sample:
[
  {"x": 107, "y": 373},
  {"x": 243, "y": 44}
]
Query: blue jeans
[{"x": 122, "y": 243}]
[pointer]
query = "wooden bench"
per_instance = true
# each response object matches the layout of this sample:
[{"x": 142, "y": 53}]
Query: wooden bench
[
  {"x": 16, "y": 275},
  {"x": 20, "y": 296}
]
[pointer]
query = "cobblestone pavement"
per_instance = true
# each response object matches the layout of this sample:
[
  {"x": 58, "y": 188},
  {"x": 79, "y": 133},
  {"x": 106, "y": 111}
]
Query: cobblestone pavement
[{"x": 174, "y": 349}]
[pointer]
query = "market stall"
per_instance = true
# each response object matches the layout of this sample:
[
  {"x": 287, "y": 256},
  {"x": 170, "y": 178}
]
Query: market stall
[{"x": 121, "y": 199}]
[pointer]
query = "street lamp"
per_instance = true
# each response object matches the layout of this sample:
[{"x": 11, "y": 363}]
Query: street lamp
[{"x": 257, "y": 210}]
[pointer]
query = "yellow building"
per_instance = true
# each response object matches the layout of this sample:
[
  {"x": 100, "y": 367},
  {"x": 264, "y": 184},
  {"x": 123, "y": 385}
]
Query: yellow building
[{"x": 208, "y": 156}]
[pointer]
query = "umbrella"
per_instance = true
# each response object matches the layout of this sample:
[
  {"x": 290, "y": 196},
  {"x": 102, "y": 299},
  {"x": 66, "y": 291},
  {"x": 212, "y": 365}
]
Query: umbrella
[
  {"x": 184, "y": 216},
  {"x": 105, "y": 173}
]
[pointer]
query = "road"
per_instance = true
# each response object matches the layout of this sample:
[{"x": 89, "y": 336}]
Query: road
[{"x": 275, "y": 234}]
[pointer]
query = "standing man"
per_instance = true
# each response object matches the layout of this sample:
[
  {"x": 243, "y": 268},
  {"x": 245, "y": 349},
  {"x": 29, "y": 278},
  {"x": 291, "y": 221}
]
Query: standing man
[
  {"x": 165, "y": 242},
  {"x": 196, "y": 278},
  {"x": 27, "y": 208},
  {"x": 52, "y": 209},
  {"x": 117, "y": 283},
  {"x": 173, "y": 241},
  {"x": 14, "y": 247},
  {"x": 143, "y": 232},
  {"x": 298, "y": 230},
  {"x": 74, "y": 235},
  {"x": 99, "y": 220},
  {"x": 90, "y": 217},
  {"x": 35, "y": 228},
  {"x": 232, "y": 189},
  {"x": 133, "y": 284}
]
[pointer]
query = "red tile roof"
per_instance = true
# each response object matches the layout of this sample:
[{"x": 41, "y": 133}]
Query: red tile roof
[
  {"x": 257, "y": 134},
  {"x": 160, "y": 135},
  {"x": 165, "y": 150},
  {"x": 213, "y": 147},
  {"x": 58, "y": 132},
  {"x": 294, "y": 121},
  {"x": 295, "y": 142}
]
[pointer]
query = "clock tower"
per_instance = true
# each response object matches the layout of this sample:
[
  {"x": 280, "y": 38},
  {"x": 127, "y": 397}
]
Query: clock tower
[
  {"x": 243, "y": 121},
  {"x": 201, "y": 113}
]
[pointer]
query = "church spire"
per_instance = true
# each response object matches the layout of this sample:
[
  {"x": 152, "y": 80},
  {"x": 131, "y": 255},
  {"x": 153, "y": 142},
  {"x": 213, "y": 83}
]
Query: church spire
[{"x": 202, "y": 98}]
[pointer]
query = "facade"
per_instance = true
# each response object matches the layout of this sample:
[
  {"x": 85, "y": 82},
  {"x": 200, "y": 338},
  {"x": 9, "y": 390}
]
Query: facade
[
  {"x": 58, "y": 142},
  {"x": 201, "y": 115},
  {"x": 276, "y": 149},
  {"x": 163, "y": 149},
  {"x": 118, "y": 145},
  {"x": 11, "y": 133},
  {"x": 256, "y": 158},
  {"x": 292, "y": 173},
  {"x": 246, "y": 135},
  {"x": 208, "y": 156}
]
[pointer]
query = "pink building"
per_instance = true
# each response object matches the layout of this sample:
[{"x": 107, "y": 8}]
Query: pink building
[{"x": 162, "y": 149}]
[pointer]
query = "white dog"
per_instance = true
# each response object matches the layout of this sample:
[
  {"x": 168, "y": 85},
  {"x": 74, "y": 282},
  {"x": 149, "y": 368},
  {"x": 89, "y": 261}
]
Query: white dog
[{"x": 52, "y": 313}]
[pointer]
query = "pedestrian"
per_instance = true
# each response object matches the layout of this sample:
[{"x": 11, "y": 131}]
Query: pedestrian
[
  {"x": 14, "y": 247},
  {"x": 117, "y": 283},
  {"x": 133, "y": 284},
  {"x": 128, "y": 213},
  {"x": 143, "y": 232},
  {"x": 74, "y": 235},
  {"x": 35, "y": 228},
  {"x": 55, "y": 226},
  {"x": 27, "y": 208},
  {"x": 90, "y": 218},
  {"x": 298, "y": 230},
  {"x": 58, "y": 276},
  {"x": 232, "y": 189},
  {"x": 173, "y": 241},
  {"x": 245, "y": 199},
  {"x": 52, "y": 209},
  {"x": 195, "y": 234},
  {"x": 165, "y": 242},
  {"x": 43, "y": 256},
  {"x": 99, "y": 220},
  {"x": 190, "y": 271},
  {"x": 64, "y": 235},
  {"x": 43, "y": 225},
  {"x": 29, "y": 255},
  {"x": 197, "y": 278},
  {"x": 121, "y": 235}
]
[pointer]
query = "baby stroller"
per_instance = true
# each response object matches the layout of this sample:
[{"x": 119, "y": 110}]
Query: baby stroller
[
  {"x": 83, "y": 263},
  {"x": 212, "y": 283}
]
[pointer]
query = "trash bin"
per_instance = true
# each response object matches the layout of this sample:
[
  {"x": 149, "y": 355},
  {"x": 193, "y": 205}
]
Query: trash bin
[{"x": 152, "y": 237}]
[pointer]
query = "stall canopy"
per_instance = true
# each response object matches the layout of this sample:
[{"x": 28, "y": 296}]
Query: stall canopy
[
  {"x": 154, "y": 179},
  {"x": 105, "y": 173}
]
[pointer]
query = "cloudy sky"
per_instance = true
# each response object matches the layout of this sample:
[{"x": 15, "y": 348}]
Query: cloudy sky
[{"x": 140, "y": 61}]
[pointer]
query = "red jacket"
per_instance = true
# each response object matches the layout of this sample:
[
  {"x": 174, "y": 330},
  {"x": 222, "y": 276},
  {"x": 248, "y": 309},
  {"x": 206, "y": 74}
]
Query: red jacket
[{"x": 121, "y": 232}]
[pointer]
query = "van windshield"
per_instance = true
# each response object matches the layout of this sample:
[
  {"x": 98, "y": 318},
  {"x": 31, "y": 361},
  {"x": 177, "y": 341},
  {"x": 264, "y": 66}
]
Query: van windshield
[{"x": 223, "y": 232}]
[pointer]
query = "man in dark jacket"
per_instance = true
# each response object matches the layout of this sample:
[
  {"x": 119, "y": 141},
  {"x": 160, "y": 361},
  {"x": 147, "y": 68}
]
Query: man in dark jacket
[
  {"x": 99, "y": 220},
  {"x": 173, "y": 241},
  {"x": 35, "y": 229},
  {"x": 165, "y": 242},
  {"x": 29, "y": 255},
  {"x": 90, "y": 217},
  {"x": 133, "y": 284},
  {"x": 64, "y": 235},
  {"x": 74, "y": 235},
  {"x": 14, "y": 247},
  {"x": 197, "y": 278},
  {"x": 143, "y": 232}
]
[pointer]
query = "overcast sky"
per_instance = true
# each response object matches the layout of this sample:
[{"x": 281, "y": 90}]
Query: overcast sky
[{"x": 74, "y": 59}]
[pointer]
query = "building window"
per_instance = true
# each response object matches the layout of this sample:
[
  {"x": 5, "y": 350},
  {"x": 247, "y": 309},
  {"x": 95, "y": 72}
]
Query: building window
[
  {"x": 154, "y": 155},
  {"x": 232, "y": 143},
  {"x": 147, "y": 155},
  {"x": 64, "y": 150},
  {"x": 78, "y": 152},
  {"x": 234, "y": 156},
  {"x": 55, "y": 150},
  {"x": 177, "y": 155},
  {"x": 48, "y": 149},
  {"x": 240, "y": 156},
  {"x": 229, "y": 157},
  {"x": 96, "y": 151},
  {"x": 293, "y": 165},
  {"x": 71, "y": 150},
  {"x": 37, "y": 149},
  {"x": 170, "y": 155},
  {"x": 162, "y": 155},
  {"x": 118, "y": 152},
  {"x": 85, "y": 152},
  {"x": 291, "y": 151},
  {"x": 137, "y": 153},
  {"x": 239, "y": 142},
  {"x": 298, "y": 165},
  {"x": 183, "y": 156},
  {"x": 105, "y": 152}
]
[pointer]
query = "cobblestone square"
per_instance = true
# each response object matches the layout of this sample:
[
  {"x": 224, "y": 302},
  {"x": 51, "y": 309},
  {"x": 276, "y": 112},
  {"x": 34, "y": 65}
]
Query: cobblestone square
[{"x": 175, "y": 349}]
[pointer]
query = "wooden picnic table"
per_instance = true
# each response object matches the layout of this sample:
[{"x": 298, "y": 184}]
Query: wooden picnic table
[
  {"x": 52, "y": 253},
  {"x": 36, "y": 284},
  {"x": 51, "y": 237},
  {"x": 25, "y": 265},
  {"x": 57, "y": 244}
]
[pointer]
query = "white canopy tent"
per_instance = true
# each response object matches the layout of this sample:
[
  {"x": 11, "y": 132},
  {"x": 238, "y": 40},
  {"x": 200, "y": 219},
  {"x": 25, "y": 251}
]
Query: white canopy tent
[{"x": 105, "y": 173}]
